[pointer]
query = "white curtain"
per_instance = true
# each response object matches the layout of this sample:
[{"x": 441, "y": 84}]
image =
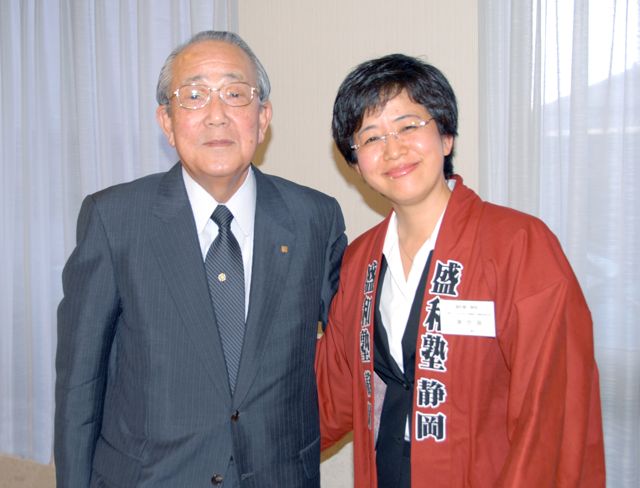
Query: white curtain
[
  {"x": 560, "y": 132},
  {"x": 77, "y": 103}
]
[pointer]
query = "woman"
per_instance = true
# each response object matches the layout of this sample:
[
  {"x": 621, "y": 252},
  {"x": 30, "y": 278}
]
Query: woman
[{"x": 459, "y": 347}]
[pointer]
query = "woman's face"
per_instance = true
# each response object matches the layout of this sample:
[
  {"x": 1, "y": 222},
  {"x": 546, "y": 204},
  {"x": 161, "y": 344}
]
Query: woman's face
[{"x": 406, "y": 164}]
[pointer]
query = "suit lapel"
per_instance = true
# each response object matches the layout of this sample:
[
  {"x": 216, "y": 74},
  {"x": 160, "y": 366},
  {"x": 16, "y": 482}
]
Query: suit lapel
[
  {"x": 273, "y": 245},
  {"x": 175, "y": 244}
]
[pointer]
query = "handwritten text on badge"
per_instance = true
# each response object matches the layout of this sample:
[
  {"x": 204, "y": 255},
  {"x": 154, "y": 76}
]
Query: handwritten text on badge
[{"x": 467, "y": 317}]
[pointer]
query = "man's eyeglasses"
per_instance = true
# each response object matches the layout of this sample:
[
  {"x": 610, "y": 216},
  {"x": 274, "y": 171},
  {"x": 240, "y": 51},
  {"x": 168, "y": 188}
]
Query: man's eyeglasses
[
  {"x": 372, "y": 141},
  {"x": 193, "y": 97}
]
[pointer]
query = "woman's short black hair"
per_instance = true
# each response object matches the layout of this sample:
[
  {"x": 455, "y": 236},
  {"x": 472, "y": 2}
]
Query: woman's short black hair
[{"x": 373, "y": 83}]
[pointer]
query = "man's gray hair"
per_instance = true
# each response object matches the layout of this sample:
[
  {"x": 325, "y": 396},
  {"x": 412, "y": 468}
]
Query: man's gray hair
[{"x": 164, "y": 80}]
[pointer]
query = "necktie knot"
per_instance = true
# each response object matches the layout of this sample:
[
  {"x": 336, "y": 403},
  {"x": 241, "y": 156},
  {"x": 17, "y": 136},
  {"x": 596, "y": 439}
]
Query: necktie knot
[{"x": 222, "y": 216}]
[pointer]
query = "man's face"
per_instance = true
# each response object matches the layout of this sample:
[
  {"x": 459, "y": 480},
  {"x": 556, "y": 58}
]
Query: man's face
[{"x": 217, "y": 142}]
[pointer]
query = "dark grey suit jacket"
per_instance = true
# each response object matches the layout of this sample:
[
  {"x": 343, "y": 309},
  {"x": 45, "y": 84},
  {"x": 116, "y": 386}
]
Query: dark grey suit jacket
[{"x": 142, "y": 396}]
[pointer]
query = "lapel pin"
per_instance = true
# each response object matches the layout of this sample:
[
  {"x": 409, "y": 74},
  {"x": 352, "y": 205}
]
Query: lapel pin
[
  {"x": 284, "y": 249},
  {"x": 222, "y": 277}
]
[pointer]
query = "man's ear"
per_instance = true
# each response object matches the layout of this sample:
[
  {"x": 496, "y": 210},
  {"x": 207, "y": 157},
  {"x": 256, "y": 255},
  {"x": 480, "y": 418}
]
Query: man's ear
[
  {"x": 264, "y": 119},
  {"x": 165, "y": 123}
]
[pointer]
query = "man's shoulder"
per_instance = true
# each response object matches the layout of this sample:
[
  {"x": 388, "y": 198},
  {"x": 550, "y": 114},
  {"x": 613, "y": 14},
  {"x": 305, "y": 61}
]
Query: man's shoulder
[
  {"x": 147, "y": 184},
  {"x": 133, "y": 201},
  {"x": 295, "y": 194}
]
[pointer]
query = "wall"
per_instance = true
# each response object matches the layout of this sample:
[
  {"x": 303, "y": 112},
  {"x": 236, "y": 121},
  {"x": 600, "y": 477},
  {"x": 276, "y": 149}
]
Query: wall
[{"x": 308, "y": 48}]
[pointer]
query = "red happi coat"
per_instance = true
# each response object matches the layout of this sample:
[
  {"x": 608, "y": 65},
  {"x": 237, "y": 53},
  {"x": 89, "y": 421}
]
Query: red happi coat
[{"x": 521, "y": 409}]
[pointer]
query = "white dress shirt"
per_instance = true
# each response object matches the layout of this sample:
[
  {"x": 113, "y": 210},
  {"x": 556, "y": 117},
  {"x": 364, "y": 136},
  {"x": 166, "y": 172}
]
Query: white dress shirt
[
  {"x": 396, "y": 298},
  {"x": 243, "y": 207},
  {"x": 398, "y": 292}
]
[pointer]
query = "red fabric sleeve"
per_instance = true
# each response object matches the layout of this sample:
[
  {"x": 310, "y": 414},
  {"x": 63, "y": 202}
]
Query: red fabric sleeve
[
  {"x": 554, "y": 419},
  {"x": 334, "y": 375}
]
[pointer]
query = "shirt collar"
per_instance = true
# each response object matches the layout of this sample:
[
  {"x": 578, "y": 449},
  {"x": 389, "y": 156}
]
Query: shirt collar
[
  {"x": 242, "y": 203},
  {"x": 391, "y": 239}
]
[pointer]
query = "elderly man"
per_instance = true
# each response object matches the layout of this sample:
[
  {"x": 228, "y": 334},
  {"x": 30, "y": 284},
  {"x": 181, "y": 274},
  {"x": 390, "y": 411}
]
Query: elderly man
[{"x": 187, "y": 331}]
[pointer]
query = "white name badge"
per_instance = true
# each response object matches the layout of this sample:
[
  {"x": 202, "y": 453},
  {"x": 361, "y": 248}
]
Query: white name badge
[{"x": 467, "y": 317}]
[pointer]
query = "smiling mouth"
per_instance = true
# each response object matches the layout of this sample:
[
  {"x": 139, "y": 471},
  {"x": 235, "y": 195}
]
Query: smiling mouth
[{"x": 400, "y": 171}]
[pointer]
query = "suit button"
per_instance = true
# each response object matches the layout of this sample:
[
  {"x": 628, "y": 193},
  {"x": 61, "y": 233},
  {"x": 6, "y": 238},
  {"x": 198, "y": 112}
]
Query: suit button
[
  {"x": 217, "y": 479},
  {"x": 235, "y": 416}
]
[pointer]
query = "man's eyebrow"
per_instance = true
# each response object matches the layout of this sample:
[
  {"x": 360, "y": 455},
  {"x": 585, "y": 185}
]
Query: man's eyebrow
[{"x": 193, "y": 79}]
